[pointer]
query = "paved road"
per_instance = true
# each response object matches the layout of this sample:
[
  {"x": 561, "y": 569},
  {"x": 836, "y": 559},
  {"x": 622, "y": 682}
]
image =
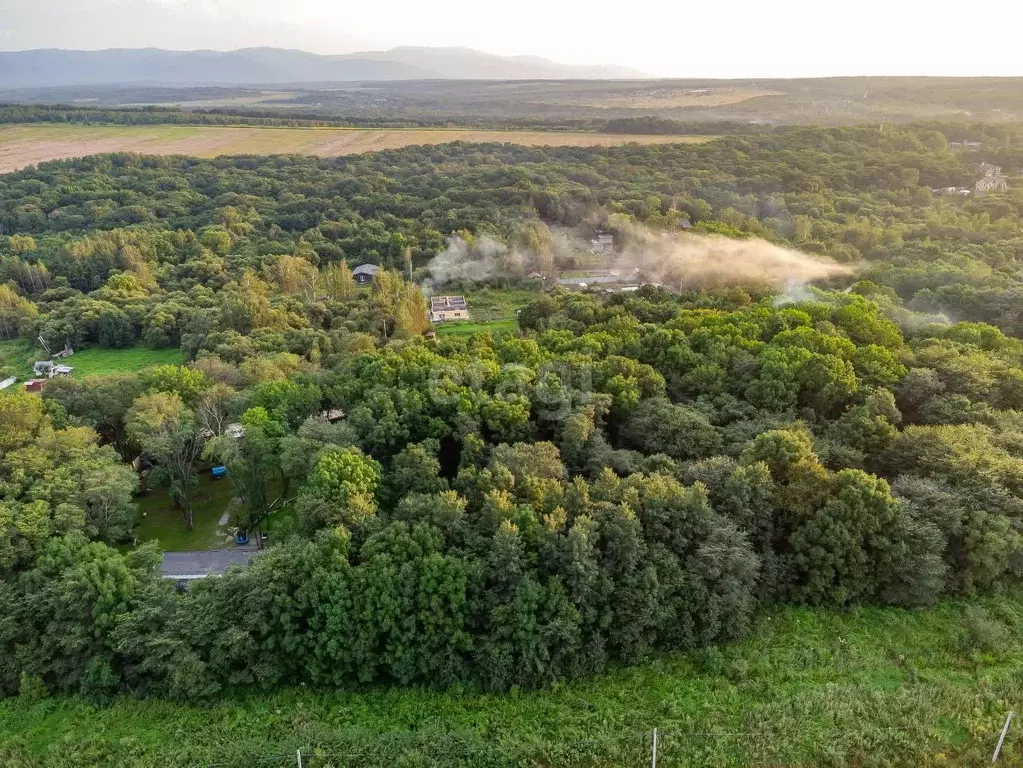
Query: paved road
[{"x": 197, "y": 565}]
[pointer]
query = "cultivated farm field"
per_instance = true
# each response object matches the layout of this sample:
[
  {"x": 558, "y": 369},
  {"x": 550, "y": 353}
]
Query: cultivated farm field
[{"x": 25, "y": 145}]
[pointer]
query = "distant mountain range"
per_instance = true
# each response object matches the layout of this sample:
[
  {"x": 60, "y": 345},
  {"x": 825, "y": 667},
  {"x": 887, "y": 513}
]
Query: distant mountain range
[{"x": 269, "y": 66}]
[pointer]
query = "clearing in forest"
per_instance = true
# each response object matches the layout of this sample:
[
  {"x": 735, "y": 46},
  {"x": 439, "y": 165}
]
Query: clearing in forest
[{"x": 25, "y": 145}]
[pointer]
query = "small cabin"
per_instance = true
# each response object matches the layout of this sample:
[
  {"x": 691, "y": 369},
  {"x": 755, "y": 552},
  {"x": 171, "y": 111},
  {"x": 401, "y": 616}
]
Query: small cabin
[
  {"x": 364, "y": 273},
  {"x": 34, "y": 385}
]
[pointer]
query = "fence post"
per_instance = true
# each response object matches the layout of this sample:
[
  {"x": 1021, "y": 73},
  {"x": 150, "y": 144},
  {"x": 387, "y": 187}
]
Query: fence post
[
  {"x": 654, "y": 756},
  {"x": 1001, "y": 739},
  {"x": 298, "y": 757}
]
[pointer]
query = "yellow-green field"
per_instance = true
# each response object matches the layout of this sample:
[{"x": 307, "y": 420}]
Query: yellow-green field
[{"x": 24, "y": 145}]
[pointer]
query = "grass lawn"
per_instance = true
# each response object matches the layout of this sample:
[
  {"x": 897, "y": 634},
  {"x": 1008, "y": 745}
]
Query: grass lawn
[
  {"x": 17, "y": 358},
  {"x": 160, "y": 520},
  {"x": 499, "y": 303},
  {"x": 469, "y": 328},
  {"x": 96, "y": 361},
  {"x": 866, "y": 687}
]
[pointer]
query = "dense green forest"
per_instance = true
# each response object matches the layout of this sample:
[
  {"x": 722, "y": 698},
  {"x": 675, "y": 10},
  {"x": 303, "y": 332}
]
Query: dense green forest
[{"x": 627, "y": 473}]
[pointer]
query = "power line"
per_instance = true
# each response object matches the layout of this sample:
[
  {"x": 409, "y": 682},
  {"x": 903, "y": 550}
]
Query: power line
[{"x": 473, "y": 746}]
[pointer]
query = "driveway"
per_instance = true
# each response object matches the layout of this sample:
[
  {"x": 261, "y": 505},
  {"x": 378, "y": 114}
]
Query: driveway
[{"x": 185, "y": 566}]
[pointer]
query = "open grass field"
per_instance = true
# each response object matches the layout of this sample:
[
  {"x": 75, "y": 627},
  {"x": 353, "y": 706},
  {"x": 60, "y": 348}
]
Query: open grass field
[
  {"x": 17, "y": 357},
  {"x": 24, "y": 145},
  {"x": 102, "y": 362},
  {"x": 469, "y": 328},
  {"x": 869, "y": 687},
  {"x": 680, "y": 98}
]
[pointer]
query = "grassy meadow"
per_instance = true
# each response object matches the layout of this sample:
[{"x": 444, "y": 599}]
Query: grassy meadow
[
  {"x": 470, "y": 328},
  {"x": 97, "y": 361},
  {"x": 868, "y": 687},
  {"x": 17, "y": 357},
  {"x": 27, "y": 144}
]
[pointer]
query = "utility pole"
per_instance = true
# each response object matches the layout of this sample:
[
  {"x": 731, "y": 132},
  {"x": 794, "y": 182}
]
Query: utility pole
[{"x": 653, "y": 762}]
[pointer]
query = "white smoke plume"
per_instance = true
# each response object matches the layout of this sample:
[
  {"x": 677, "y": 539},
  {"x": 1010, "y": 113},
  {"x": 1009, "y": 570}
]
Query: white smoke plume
[
  {"x": 486, "y": 258},
  {"x": 683, "y": 260},
  {"x": 707, "y": 261}
]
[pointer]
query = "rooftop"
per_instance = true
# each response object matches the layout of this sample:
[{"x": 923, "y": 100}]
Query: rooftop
[
  {"x": 447, "y": 302},
  {"x": 366, "y": 269}
]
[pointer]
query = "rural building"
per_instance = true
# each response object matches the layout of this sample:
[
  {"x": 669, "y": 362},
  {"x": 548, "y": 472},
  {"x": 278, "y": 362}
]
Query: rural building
[
  {"x": 603, "y": 244},
  {"x": 364, "y": 273},
  {"x": 34, "y": 385},
  {"x": 8, "y": 382},
  {"x": 950, "y": 190},
  {"x": 50, "y": 369},
  {"x": 993, "y": 179},
  {"x": 332, "y": 414},
  {"x": 448, "y": 308}
]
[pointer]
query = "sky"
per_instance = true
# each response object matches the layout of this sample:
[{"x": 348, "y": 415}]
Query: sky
[{"x": 669, "y": 38}]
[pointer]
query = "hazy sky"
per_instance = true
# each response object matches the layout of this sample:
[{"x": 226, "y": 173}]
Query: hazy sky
[{"x": 729, "y": 38}]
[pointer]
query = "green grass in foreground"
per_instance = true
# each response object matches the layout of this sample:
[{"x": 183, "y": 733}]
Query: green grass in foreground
[
  {"x": 872, "y": 687},
  {"x": 160, "y": 520},
  {"x": 102, "y": 362}
]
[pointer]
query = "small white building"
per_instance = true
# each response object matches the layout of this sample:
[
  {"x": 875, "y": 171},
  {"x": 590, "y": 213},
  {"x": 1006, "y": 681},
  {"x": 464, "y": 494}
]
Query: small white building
[
  {"x": 8, "y": 382},
  {"x": 443, "y": 308}
]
